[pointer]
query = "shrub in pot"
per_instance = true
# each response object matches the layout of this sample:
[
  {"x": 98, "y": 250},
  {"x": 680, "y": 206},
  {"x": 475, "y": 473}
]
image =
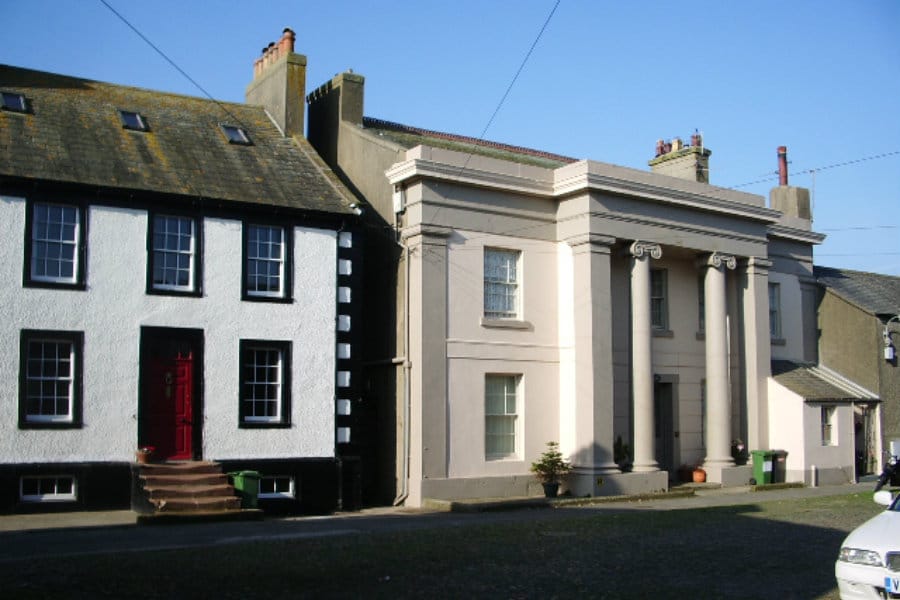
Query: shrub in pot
[{"x": 550, "y": 469}]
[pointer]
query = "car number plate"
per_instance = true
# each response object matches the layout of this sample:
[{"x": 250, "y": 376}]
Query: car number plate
[{"x": 892, "y": 585}]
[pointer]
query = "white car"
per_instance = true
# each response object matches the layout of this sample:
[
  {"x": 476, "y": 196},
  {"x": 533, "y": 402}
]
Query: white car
[{"x": 868, "y": 566}]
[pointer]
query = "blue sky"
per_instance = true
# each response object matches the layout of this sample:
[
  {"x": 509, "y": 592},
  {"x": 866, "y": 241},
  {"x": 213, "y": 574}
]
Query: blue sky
[{"x": 605, "y": 81}]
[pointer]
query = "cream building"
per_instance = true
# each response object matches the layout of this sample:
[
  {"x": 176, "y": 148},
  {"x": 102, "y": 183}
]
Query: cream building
[{"x": 542, "y": 298}]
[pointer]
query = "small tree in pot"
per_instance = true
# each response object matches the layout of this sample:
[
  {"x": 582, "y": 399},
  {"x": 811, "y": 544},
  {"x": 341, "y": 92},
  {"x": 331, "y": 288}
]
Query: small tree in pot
[{"x": 550, "y": 469}]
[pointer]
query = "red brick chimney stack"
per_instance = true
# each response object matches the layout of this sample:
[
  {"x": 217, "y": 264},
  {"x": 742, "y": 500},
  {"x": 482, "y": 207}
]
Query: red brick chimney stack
[{"x": 275, "y": 50}]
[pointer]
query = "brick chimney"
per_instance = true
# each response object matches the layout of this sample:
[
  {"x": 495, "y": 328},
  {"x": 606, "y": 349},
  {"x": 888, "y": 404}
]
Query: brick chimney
[
  {"x": 686, "y": 162},
  {"x": 279, "y": 84},
  {"x": 791, "y": 201}
]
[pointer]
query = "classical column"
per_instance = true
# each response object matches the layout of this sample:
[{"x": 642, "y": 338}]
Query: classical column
[
  {"x": 718, "y": 396},
  {"x": 641, "y": 356}
]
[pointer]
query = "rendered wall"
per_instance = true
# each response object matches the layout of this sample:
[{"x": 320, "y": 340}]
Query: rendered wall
[{"x": 114, "y": 308}]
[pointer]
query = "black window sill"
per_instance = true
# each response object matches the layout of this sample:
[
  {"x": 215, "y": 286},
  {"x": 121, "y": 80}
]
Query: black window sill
[
  {"x": 55, "y": 285},
  {"x": 255, "y": 425},
  {"x": 49, "y": 425}
]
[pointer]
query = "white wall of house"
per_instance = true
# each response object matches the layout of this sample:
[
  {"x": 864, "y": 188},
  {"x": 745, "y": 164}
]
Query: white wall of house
[
  {"x": 114, "y": 307},
  {"x": 796, "y": 426}
]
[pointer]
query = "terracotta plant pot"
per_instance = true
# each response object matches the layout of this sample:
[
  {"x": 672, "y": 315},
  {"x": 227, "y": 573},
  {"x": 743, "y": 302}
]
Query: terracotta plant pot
[
  {"x": 699, "y": 476},
  {"x": 142, "y": 457}
]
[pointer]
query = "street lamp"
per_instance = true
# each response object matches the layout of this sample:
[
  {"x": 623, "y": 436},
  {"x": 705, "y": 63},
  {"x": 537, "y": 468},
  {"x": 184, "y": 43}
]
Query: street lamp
[{"x": 889, "y": 352}]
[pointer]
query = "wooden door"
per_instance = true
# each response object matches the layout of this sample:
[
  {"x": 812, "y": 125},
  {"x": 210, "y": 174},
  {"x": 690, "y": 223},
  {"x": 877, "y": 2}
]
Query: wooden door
[
  {"x": 168, "y": 396},
  {"x": 664, "y": 426}
]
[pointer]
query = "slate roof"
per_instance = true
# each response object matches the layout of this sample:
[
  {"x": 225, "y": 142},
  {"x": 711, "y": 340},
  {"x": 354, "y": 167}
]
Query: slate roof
[
  {"x": 816, "y": 383},
  {"x": 72, "y": 133},
  {"x": 410, "y": 137},
  {"x": 875, "y": 293}
]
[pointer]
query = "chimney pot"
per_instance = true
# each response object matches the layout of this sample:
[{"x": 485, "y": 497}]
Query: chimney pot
[
  {"x": 660, "y": 147},
  {"x": 782, "y": 165},
  {"x": 696, "y": 139},
  {"x": 287, "y": 41}
]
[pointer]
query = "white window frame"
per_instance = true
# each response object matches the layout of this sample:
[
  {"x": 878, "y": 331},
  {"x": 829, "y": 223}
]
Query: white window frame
[
  {"x": 67, "y": 246},
  {"x": 164, "y": 253},
  {"x": 828, "y": 414},
  {"x": 254, "y": 258},
  {"x": 288, "y": 492},
  {"x": 775, "y": 330},
  {"x": 44, "y": 373},
  {"x": 51, "y": 496},
  {"x": 274, "y": 384},
  {"x": 512, "y": 389},
  {"x": 659, "y": 299},
  {"x": 502, "y": 280}
]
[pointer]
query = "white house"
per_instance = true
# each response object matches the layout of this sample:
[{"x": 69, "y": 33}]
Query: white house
[{"x": 178, "y": 273}]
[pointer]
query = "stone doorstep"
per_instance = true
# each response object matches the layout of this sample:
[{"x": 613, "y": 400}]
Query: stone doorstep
[
  {"x": 196, "y": 488},
  {"x": 185, "y": 479},
  {"x": 184, "y": 504},
  {"x": 188, "y": 490}
]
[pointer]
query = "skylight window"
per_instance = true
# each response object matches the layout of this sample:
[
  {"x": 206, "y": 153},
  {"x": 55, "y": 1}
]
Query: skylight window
[
  {"x": 133, "y": 120},
  {"x": 14, "y": 102},
  {"x": 236, "y": 135}
]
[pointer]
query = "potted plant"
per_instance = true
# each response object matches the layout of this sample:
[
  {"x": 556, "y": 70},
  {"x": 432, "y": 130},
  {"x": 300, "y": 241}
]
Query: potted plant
[
  {"x": 739, "y": 452},
  {"x": 144, "y": 454},
  {"x": 550, "y": 469},
  {"x": 699, "y": 475},
  {"x": 622, "y": 454}
]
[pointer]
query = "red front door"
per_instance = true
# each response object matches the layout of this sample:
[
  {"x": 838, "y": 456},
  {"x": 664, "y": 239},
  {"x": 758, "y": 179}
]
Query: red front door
[{"x": 167, "y": 400}]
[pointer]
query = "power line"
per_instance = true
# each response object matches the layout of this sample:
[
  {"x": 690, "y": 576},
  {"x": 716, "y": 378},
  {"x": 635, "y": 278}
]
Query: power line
[
  {"x": 170, "y": 61},
  {"x": 817, "y": 169},
  {"x": 513, "y": 82}
]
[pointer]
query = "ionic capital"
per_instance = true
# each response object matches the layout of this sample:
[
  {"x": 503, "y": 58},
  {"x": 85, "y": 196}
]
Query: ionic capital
[
  {"x": 639, "y": 249},
  {"x": 717, "y": 259}
]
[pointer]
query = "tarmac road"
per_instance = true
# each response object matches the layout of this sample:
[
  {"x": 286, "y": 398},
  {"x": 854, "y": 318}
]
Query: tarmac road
[{"x": 28, "y": 537}]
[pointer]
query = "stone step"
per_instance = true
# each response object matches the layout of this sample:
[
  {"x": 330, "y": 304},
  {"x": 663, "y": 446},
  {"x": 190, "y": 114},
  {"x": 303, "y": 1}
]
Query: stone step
[
  {"x": 206, "y": 504},
  {"x": 191, "y": 467},
  {"x": 185, "y": 479},
  {"x": 188, "y": 490}
]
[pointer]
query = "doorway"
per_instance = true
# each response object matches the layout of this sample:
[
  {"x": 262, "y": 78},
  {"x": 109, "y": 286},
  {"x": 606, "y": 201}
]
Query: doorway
[
  {"x": 664, "y": 424},
  {"x": 170, "y": 392}
]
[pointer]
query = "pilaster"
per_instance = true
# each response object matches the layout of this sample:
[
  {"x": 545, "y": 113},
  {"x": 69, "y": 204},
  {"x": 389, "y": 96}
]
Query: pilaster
[
  {"x": 427, "y": 355},
  {"x": 590, "y": 414}
]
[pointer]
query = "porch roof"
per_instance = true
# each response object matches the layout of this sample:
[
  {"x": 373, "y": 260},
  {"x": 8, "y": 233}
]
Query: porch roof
[{"x": 816, "y": 383}]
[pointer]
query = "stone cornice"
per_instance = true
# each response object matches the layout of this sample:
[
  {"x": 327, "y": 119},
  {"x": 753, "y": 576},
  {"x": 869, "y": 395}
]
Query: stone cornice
[
  {"x": 421, "y": 168},
  {"x": 797, "y": 235},
  {"x": 756, "y": 265},
  {"x": 595, "y": 241},
  {"x": 424, "y": 230},
  {"x": 704, "y": 231},
  {"x": 582, "y": 181},
  {"x": 586, "y": 181}
]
